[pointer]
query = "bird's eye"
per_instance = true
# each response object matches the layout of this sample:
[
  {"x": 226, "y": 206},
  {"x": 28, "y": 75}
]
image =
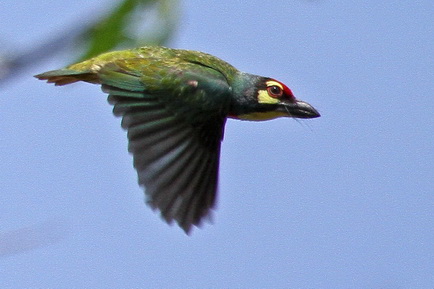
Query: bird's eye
[{"x": 275, "y": 91}]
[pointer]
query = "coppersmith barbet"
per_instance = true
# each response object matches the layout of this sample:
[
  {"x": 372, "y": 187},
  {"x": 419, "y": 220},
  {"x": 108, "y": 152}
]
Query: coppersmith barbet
[{"x": 174, "y": 104}]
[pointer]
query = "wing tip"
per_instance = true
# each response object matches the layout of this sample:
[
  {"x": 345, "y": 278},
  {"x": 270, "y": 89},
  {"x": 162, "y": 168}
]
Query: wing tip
[{"x": 172, "y": 216}]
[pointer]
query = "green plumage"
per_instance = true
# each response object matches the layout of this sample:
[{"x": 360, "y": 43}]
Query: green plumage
[{"x": 174, "y": 104}]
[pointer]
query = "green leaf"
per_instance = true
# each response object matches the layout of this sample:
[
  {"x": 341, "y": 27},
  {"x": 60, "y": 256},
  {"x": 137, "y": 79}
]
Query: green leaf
[{"x": 112, "y": 30}]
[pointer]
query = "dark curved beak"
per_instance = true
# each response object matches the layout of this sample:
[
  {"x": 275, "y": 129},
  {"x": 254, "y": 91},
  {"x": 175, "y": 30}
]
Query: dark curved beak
[{"x": 299, "y": 109}]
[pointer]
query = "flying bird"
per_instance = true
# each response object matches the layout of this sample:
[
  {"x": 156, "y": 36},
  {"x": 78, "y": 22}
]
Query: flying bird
[{"x": 174, "y": 104}]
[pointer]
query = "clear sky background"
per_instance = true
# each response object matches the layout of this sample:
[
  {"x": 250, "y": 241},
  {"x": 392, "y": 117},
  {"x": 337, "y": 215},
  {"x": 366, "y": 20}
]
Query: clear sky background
[{"x": 342, "y": 201}]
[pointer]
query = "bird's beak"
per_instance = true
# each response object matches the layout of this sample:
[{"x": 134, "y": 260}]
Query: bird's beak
[{"x": 298, "y": 109}]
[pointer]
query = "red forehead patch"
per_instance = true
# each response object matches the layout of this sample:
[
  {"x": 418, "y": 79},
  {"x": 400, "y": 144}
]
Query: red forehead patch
[{"x": 286, "y": 90}]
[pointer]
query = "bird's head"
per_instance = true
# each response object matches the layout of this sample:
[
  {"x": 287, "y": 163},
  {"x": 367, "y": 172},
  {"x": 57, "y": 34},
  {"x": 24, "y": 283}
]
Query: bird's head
[{"x": 266, "y": 98}]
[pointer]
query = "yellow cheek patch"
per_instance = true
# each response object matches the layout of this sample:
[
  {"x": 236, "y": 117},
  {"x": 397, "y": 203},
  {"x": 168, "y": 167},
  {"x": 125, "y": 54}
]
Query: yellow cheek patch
[{"x": 264, "y": 97}]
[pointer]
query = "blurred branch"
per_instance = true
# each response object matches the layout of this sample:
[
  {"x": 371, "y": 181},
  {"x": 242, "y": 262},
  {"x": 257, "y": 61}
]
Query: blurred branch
[
  {"x": 12, "y": 64},
  {"x": 32, "y": 237},
  {"x": 111, "y": 31}
]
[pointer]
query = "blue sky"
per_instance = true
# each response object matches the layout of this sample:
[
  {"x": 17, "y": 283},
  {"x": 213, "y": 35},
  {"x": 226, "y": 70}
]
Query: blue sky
[{"x": 342, "y": 201}]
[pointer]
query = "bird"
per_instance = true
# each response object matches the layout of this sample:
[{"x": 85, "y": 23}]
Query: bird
[{"x": 174, "y": 104}]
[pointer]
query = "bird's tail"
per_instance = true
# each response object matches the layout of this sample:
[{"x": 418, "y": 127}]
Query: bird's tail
[{"x": 67, "y": 76}]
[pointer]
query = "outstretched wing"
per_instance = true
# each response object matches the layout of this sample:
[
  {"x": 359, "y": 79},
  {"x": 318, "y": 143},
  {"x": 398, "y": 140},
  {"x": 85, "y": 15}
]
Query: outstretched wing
[{"x": 175, "y": 115}]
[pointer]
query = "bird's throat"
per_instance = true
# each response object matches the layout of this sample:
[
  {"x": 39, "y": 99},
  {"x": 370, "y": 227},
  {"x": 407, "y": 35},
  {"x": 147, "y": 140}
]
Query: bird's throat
[{"x": 260, "y": 116}]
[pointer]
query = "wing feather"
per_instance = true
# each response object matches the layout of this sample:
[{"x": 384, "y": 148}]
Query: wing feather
[
  {"x": 183, "y": 176},
  {"x": 194, "y": 206},
  {"x": 166, "y": 197},
  {"x": 174, "y": 112}
]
